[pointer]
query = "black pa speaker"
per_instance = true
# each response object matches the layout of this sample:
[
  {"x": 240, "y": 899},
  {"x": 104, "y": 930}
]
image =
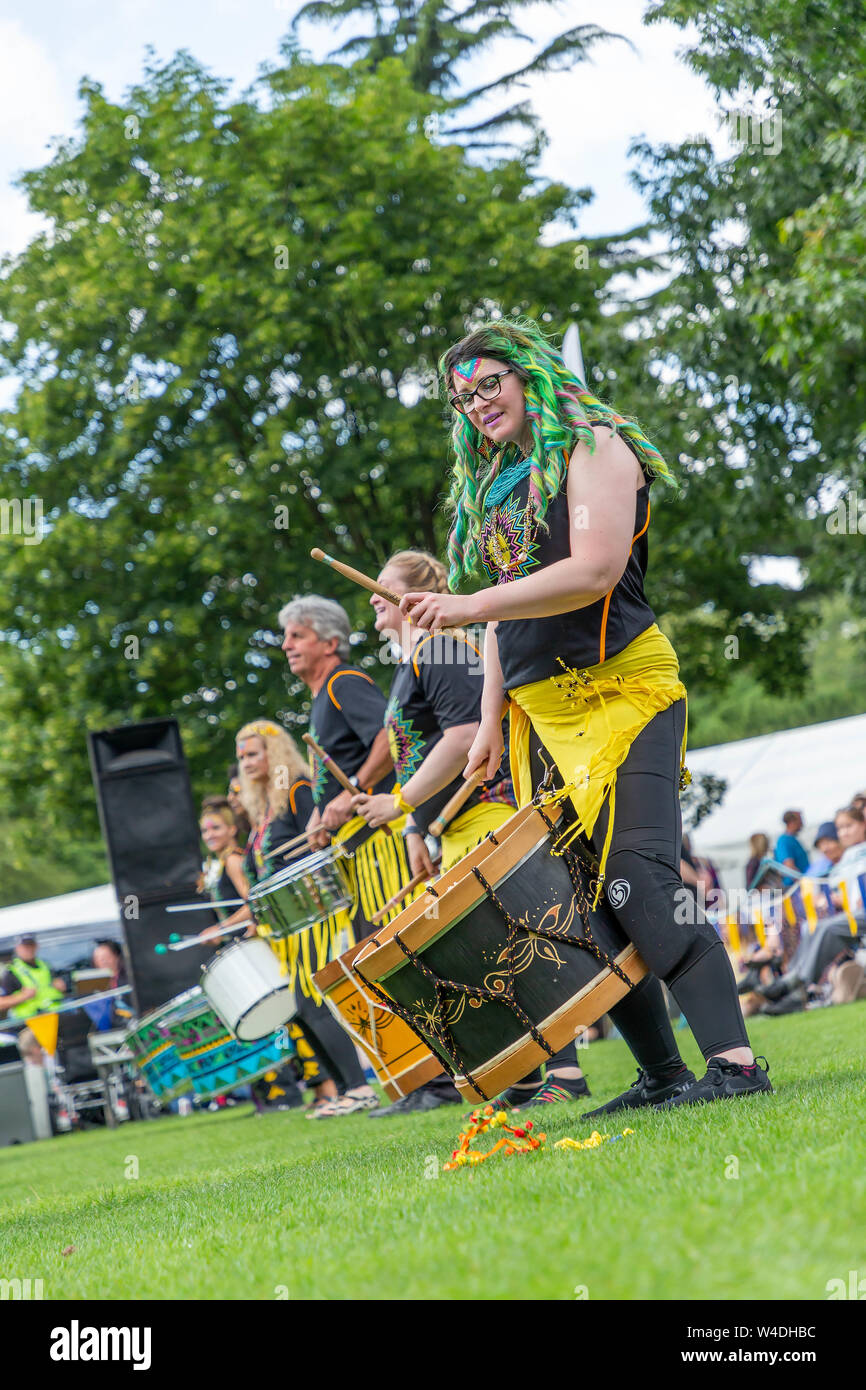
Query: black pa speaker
[
  {"x": 157, "y": 978},
  {"x": 151, "y": 832},
  {"x": 145, "y": 807}
]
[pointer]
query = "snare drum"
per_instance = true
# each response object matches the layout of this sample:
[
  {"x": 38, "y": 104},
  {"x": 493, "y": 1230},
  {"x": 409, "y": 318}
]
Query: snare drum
[
  {"x": 248, "y": 990},
  {"x": 155, "y": 1056},
  {"x": 300, "y": 894},
  {"x": 215, "y": 1061},
  {"x": 401, "y": 1061},
  {"x": 520, "y": 959}
]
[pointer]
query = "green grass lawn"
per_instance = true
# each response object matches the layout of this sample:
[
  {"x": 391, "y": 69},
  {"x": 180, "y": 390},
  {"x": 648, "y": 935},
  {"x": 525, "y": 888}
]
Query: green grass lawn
[{"x": 232, "y": 1206}]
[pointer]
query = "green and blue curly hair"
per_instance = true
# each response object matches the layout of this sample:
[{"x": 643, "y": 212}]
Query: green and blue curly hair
[{"x": 560, "y": 411}]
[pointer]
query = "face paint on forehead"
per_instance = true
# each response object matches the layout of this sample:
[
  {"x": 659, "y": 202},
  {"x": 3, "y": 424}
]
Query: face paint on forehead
[{"x": 466, "y": 370}]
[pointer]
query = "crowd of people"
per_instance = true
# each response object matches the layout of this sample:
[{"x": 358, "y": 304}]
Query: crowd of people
[{"x": 813, "y": 954}]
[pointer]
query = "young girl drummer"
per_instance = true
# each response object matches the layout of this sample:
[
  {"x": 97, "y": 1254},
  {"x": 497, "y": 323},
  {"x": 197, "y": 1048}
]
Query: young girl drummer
[{"x": 551, "y": 494}]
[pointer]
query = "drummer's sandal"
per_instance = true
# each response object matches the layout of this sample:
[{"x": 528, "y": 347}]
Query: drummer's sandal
[{"x": 347, "y": 1104}]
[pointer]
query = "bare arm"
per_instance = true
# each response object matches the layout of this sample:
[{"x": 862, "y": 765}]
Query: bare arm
[
  {"x": 487, "y": 749},
  {"x": 11, "y": 1001},
  {"x": 378, "y": 762}
]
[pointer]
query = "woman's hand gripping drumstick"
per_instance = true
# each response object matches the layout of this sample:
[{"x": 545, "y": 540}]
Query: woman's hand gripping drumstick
[
  {"x": 450, "y": 809},
  {"x": 446, "y": 815}
]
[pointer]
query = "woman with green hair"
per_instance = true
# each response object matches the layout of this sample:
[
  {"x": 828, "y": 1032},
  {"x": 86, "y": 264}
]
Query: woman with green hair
[{"x": 551, "y": 498}]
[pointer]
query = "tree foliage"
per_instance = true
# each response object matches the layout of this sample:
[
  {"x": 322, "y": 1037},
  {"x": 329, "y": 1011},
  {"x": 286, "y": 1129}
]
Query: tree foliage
[
  {"x": 760, "y": 329},
  {"x": 226, "y": 341},
  {"x": 437, "y": 41}
]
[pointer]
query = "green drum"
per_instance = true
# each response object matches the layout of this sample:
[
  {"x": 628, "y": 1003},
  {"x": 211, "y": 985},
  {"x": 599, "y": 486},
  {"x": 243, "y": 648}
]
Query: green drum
[
  {"x": 214, "y": 1059},
  {"x": 155, "y": 1055},
  {"x": 301, "y": 894}
]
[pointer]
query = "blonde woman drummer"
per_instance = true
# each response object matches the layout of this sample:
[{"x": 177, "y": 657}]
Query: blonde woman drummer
[
  {"x": 432, "y": 719},
  {"x": 277, "y": 796},
  {"x": 223, "y": 874}
]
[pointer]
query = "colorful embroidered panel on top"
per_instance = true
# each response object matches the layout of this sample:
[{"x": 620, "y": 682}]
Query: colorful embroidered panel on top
[{"x": 506, "y": 546}]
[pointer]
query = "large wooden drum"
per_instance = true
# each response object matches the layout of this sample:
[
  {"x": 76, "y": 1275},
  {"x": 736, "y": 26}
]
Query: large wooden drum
[
  {"x": 401, "y": 1061},
  {"x": 503, "y": 960}
]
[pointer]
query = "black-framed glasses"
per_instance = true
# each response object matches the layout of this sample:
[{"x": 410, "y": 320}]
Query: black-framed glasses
[{"x": 488, "y": 389}]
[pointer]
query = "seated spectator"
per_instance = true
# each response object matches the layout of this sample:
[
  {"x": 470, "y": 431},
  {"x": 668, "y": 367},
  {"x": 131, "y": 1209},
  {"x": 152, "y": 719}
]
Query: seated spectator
[
  {"x": 829, "y": 850},
  {"x": 759, "y": 845},
  {"x": 832, "y": 939},
  {"x": 109, "y": 1013},
  {"x": 788, "y": 850},
  {"x": 108, "y": 955},
  {"x": 851, "y": 829}
]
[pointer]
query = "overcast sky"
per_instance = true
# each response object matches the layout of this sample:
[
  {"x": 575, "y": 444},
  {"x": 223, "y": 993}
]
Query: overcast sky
[{"x": 590, "y": 114}]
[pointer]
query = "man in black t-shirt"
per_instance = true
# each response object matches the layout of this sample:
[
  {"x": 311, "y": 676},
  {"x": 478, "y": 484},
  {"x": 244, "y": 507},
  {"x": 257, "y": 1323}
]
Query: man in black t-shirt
[{"x": 348, "y": 710}]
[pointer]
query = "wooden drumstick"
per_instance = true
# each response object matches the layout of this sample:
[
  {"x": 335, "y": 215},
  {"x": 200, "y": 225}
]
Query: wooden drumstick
[
  {"x": 291, "y": 854},
  {"x": 450, "y": 809},
  {"x": 356, "y": 576},
  {"x": 329, "y": 763},
  {"x": 373, "y": 585},
  {"x": 289, "y": 844},
  {"x": 336, "y": 771},
  {"x": 392, "y": 902}
]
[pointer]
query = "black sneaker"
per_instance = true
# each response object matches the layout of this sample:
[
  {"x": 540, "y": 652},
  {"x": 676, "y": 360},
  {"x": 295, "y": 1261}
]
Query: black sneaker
[
  {"x": 777, "y": 989},
  {"x": 645, "y": 1090},
  {"x": 417, "y": 1101},
  {"x": 723, "y": 1081}
]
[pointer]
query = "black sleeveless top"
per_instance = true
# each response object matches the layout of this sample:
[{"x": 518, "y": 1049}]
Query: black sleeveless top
[{"x": 512, "y": 547}]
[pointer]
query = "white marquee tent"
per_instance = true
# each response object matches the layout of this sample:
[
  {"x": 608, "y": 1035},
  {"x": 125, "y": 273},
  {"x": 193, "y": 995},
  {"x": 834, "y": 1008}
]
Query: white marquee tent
[
  {"x": 814, "y": 769},
  {"x": 91, "y": 909}
]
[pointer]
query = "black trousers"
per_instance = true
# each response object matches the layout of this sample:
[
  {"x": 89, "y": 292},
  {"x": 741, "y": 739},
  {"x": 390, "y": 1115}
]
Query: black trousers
[
  {"x": 666, "y": 924},
  {"x": 333, "y": 1047}
]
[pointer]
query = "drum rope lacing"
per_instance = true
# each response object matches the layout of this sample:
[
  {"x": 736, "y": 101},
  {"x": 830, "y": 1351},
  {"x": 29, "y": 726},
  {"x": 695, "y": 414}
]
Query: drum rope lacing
[{"x": 435, "y": 1022}]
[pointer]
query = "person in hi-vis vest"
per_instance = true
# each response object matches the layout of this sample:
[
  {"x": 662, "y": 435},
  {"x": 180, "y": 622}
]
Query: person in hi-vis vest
[{"x": 27, "y": 986}]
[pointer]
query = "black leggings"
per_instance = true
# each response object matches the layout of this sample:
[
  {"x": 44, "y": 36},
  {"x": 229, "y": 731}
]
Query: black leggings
[
  {"x": 332, "y": 1046},
  {"x": 646, "y": 894}
]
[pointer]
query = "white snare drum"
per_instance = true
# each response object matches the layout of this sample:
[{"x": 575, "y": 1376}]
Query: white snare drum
[{"x": 247, "y": 989}]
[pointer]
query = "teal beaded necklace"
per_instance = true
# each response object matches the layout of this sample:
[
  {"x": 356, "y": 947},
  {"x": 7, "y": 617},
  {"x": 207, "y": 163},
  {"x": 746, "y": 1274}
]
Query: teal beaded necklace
[{"x": 507, "y": 481}]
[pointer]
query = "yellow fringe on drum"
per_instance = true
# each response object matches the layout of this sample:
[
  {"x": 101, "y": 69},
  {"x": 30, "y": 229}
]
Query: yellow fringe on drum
[
  {"x": 302, "y": 954},
  {"x": 376, "y": 871},
  {"x": 467, "y": 831},
  {"x": 588, "y": 720}
]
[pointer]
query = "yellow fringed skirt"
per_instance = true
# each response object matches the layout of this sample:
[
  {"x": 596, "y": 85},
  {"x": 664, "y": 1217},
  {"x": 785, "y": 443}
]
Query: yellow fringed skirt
[
  {"x": 468, "y": 830},
  {"x": 588, "y": 720}
]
